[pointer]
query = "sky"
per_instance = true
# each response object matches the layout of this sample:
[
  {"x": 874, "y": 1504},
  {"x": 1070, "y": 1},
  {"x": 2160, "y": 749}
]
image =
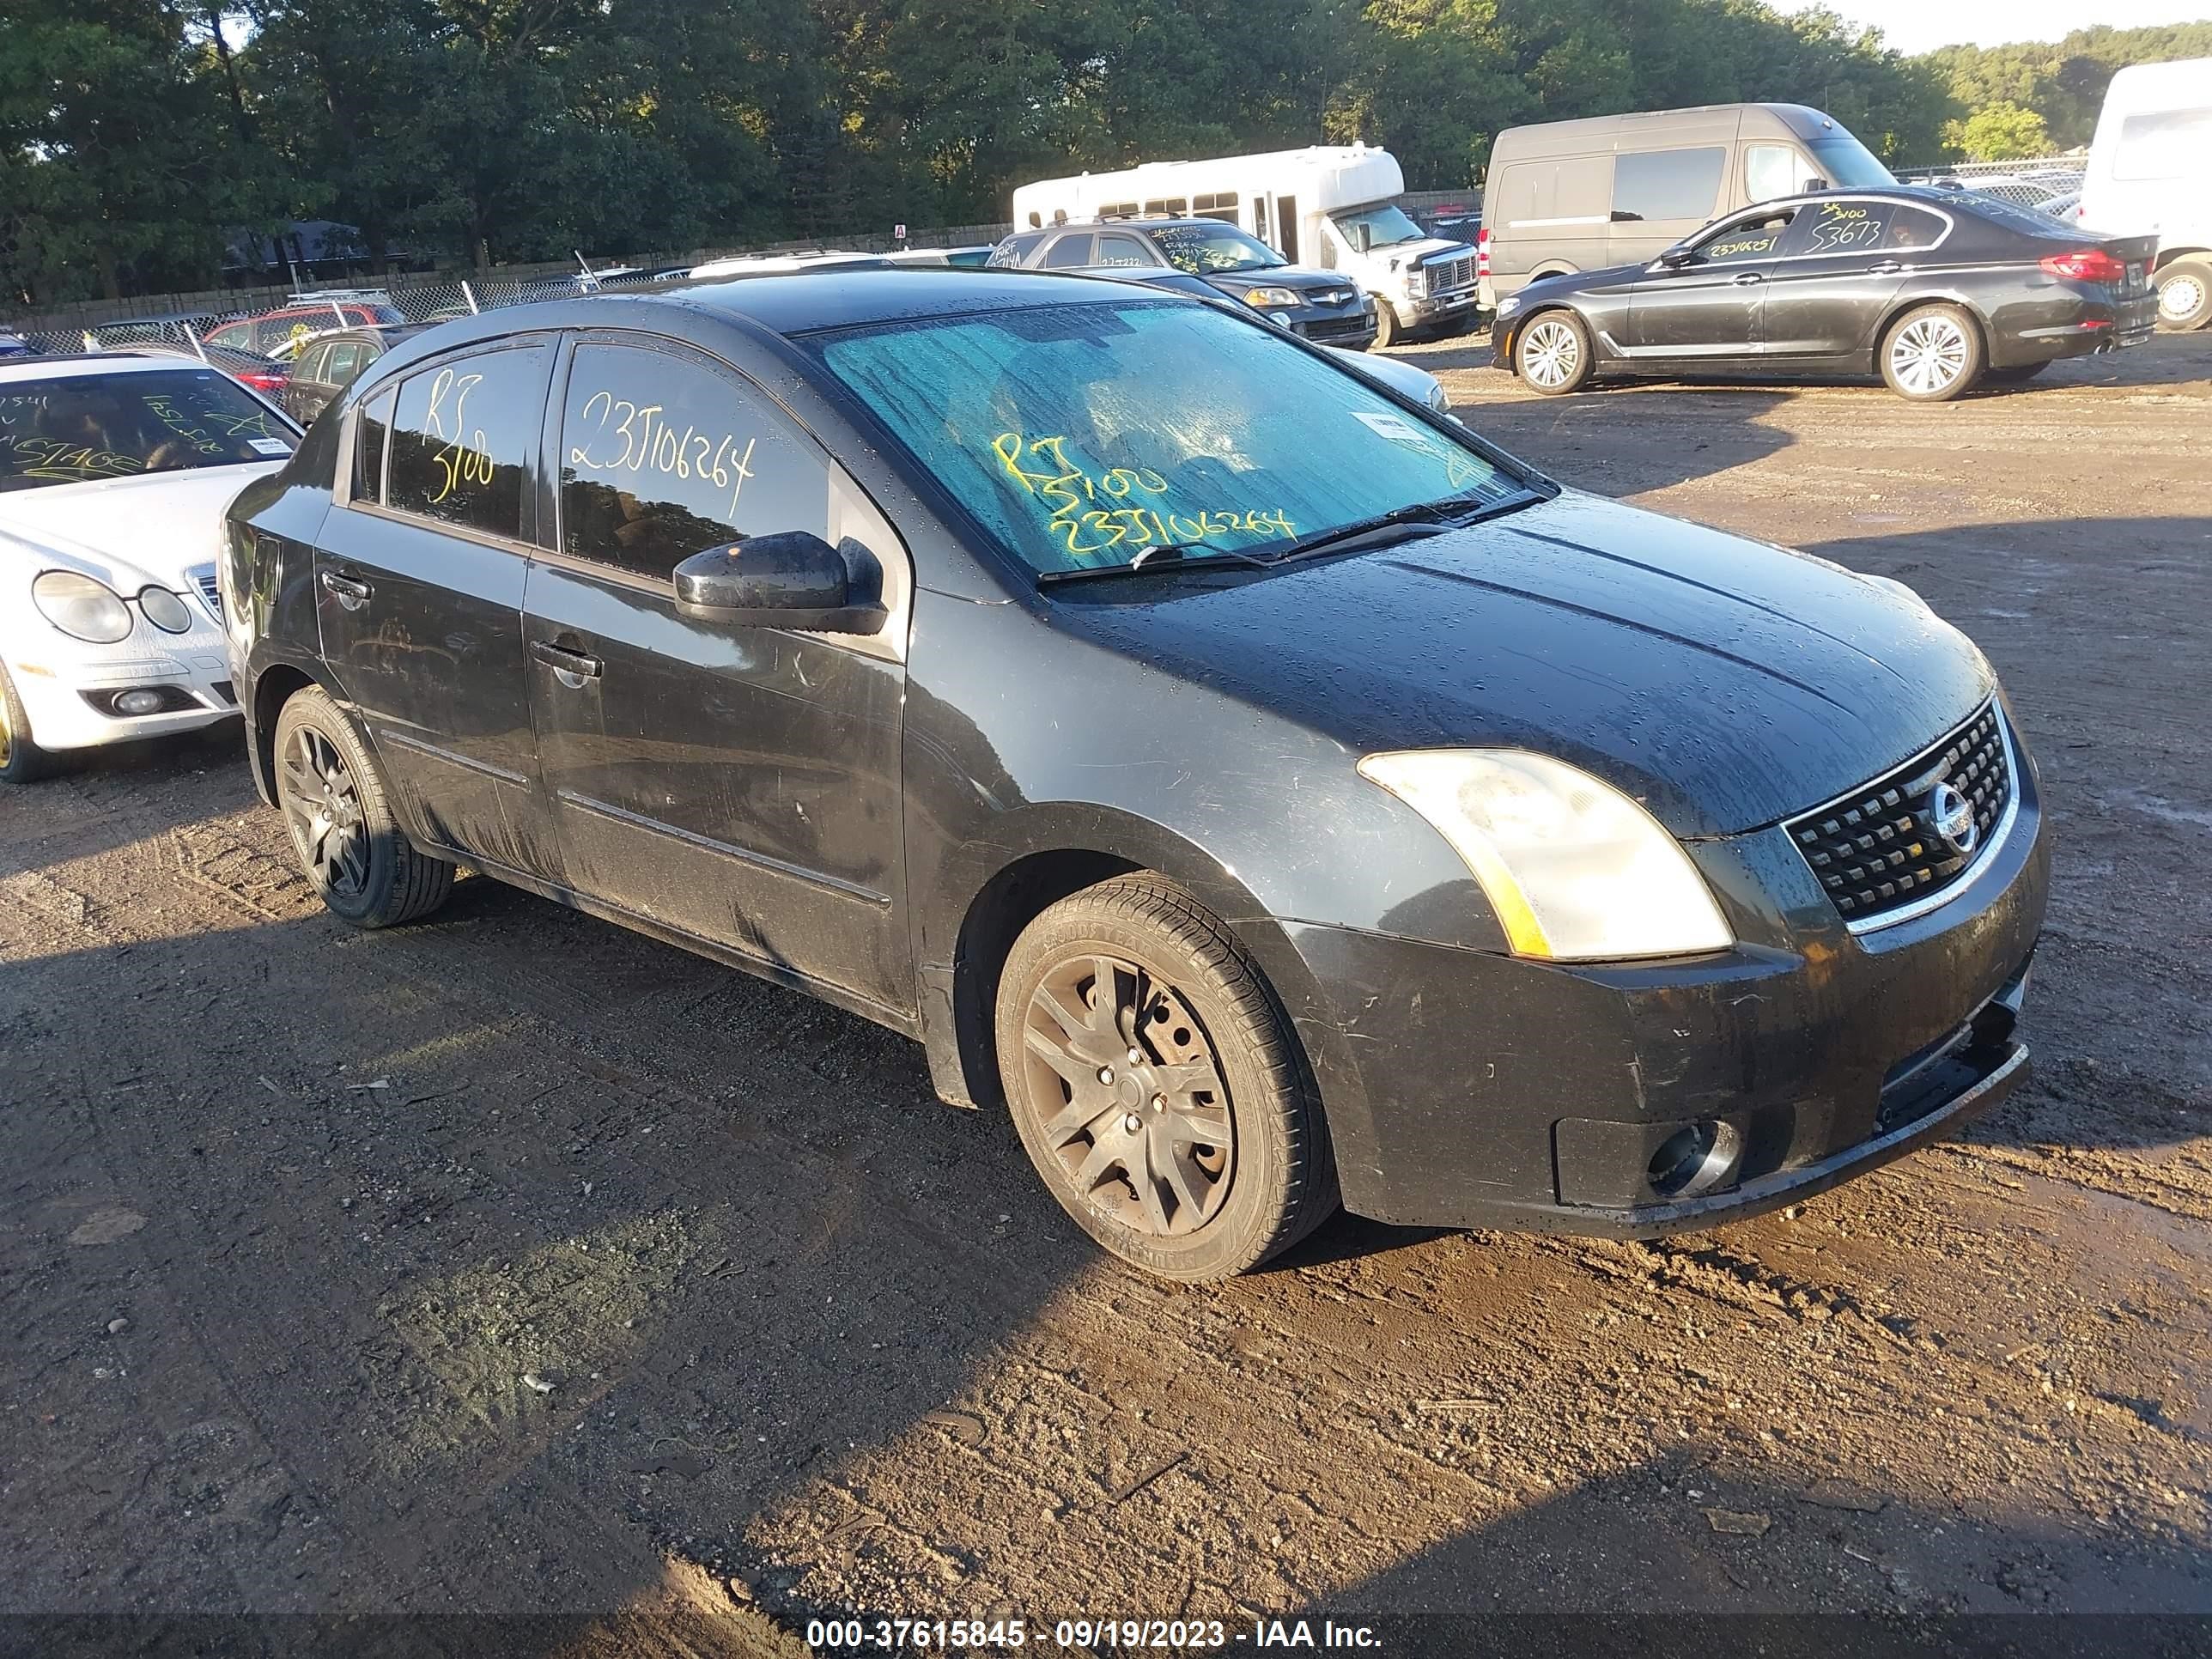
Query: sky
[{"x": 1914, "y": 26}]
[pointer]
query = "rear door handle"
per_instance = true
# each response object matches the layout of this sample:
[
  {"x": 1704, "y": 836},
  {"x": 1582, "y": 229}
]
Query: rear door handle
[
  {"x": 350, "y": 591},
  {"x": 572, "y": 668},
  {"x": 1745, "y": 278},
  {"x": 1885, "y": 267}
]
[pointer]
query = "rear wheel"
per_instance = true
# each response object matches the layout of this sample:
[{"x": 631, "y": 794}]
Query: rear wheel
[
  {"x": 1155, "y": 1085},
  {"x": 1552, "y": 354},
  {"x": 22, "y": 760},
  {"x": 1932, "y": 355},
  {"x": 2185, "y": 295},
  {"x": 338, "y": 808}
]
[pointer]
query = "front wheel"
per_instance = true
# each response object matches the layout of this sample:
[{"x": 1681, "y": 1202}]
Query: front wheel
[
  {"x": 22, "y": 760},
  {"x": 337, "y": 807},
  {"x": 1553, "y": 354},
  {"x": 1932, "y": 355},
  {"x": 2185, "y": 295},
  {"x": 1387, "y": 333},
  {"x": 1155, "y": 1085}
]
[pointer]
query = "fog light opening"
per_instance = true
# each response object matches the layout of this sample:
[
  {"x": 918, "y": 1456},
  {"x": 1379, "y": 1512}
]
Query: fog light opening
[
  {"x": 1698, "y": 1158},
  {"x": 138, "y": 702}
]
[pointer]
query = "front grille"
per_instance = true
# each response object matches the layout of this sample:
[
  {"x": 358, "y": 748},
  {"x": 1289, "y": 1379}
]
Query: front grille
[
  {"x": 1877, "y": 850},
  {"x": 1445, "y": 275},
  {"x": 203, "y": 577}
]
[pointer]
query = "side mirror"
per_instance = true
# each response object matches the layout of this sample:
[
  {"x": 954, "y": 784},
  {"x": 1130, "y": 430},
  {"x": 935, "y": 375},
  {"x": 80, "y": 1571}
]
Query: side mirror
[
  {"x": 792, "y": 580},
  {"x": 1816, "y": 184},
  {"x": 1675, "y": 258},
  {"x": 1366, "y": 237}
]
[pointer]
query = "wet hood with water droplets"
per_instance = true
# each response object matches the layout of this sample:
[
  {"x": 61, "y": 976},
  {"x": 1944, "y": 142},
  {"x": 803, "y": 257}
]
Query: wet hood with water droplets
[{"x": 1725, "y": 683}]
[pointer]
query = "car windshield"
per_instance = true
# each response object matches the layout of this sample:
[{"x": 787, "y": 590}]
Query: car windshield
[
  {"x": 78, "y": 428},
  {"x": 1848, "y": 164},
  {"x": 1387, "y": 225},
  {"x": 1205, "y": 246},
  {"x": 1081, "y": 435}
]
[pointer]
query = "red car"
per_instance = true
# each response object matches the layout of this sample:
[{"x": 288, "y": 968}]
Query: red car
[{"x": 265, "y": 334}]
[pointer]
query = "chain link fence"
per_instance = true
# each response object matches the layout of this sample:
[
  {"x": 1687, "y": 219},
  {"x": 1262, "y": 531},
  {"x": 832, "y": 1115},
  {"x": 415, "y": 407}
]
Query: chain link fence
[{"x": 2030, "y": 182}]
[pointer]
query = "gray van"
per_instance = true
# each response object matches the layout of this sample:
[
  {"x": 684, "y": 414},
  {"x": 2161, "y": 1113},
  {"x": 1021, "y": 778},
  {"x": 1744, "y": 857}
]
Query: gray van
[{"x": 1616, "y": 190}]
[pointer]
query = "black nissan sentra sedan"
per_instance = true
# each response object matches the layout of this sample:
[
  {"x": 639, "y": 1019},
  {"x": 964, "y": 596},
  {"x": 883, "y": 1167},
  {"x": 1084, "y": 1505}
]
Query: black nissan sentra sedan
[
  {"x": 1936, "y": 291},
  {"x": 1261, "y": 787}
]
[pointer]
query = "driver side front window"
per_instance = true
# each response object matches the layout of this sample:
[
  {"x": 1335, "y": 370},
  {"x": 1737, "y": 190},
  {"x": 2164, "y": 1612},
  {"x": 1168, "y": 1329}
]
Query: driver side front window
[{"x": 1745, "y": 241}]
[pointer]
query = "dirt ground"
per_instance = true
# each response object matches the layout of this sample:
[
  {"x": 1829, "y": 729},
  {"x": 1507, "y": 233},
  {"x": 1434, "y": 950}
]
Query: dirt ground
[{"x": 513, "y": 1263}]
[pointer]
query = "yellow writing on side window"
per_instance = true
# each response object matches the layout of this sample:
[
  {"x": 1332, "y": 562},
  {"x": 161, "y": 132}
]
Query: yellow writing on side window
[
  {"x": 1073, "y": 497},
  {"x": 649, "y": 441},
  {"x": 463, "y": 460}
]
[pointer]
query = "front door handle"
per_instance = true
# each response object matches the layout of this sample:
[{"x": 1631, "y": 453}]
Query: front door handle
[
  {"x": 350, "y": 591},
  {"x": 1885, "y": 267},
  {"x": 571, "y": 668},
  {"x": 1745, "y": 278}
]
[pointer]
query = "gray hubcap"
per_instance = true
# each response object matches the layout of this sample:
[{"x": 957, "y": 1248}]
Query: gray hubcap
[
  {"x": 322, "y": 808},
  {"x": 2181, "y": 296},
  {"x": 1126, "y": 1095}
]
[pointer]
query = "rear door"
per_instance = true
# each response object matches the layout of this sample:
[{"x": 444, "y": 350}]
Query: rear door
[
  {"x": 1709, "y": 307},
  {"x": 740, "y": 785},
  {"x": 1844, "y": 261},
  {"x": 419, "y": 578}
]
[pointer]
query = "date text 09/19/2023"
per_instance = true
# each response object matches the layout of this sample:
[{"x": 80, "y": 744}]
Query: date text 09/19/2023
[{"x": 1125, "y": 1635}]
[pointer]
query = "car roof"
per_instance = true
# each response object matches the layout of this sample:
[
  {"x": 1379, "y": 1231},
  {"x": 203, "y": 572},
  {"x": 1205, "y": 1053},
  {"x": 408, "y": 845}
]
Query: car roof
[
  {"x": 804, "y": 302},
  {"x": 1141, "y": 221},
  {"x": 90, "y": 362},
  {"x": 1931, "y": 194}
]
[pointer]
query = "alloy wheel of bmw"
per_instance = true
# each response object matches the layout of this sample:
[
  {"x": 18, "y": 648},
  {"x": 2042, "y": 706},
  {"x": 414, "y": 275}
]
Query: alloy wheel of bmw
[
  {"x": 322, "y": 807},
  {"x": 1928, "y": 354},
  {"x": 1144, "y": 1129},
  {"x": 1550, "y": 353}
]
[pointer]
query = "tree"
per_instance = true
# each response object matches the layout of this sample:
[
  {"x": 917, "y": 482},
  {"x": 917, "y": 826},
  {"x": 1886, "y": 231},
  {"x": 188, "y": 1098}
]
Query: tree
[{"x": 1998, "y": 133}]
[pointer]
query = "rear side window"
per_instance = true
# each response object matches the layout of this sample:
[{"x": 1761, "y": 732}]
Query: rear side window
[
  {"x": 1667, "y": 184},
  {"x": 1015, "y": 249},
  {"x": 1069, "y": 252},
  {"x": 1864, "y": 227},
  {"x": 375, "y": 434},
  {"x": 340, "y": 364},
  {"x": 664, "y": 455},
  {"x": 311, "y": 363},
  {"x": 462, "y": 437},
  {"x": 1117, "y": 249}
]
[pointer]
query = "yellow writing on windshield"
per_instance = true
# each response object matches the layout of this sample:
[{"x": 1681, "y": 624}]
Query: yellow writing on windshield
[
  {"x": 650, "y": 442},
  {"x": 1093, "y": 513},
  {"x": 164, "y": 410},
  {"x": 65, "y": 462}
]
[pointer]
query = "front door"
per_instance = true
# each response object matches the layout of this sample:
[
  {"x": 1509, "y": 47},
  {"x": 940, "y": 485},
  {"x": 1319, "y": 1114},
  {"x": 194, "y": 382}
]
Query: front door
[
  {"x": 1709, "y": 306},
  {"x": 739, "y": 785},
  {"x": 1843, "y": 263},
  {"x": 419, "y": 579}
]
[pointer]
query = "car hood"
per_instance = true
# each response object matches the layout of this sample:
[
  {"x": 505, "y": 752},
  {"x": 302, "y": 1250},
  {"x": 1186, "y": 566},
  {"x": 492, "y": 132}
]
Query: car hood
[
  {"x": 127, "y": 531},
  {"x": 1723, "y": 683}
]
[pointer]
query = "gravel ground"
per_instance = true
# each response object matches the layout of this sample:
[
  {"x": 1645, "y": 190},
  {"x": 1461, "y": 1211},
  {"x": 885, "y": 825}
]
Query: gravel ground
[{"x": 513, "y": 1263}]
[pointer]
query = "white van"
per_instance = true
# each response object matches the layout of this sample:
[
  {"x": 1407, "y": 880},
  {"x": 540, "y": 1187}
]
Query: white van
[
  {"x": 2150, "y": 170},
  {"x": 1333, "y": 206}
]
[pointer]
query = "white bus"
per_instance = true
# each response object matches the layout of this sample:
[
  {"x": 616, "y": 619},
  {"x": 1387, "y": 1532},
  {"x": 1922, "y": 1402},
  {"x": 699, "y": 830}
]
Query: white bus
[
  {"x": 1333, "y": 206},
  {"x": 2150, "y": 170}
]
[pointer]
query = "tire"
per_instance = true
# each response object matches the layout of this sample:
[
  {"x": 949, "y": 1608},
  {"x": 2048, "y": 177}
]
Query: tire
[
  {"x": 2185, "y": 295},
  {"x": 2019, "y": 375},
  {"x": 1932, "y": 354},
  {"x": 1552, "y": 353},
  {"x": 1189, "y": 1002},
  {"x": 22, "y": 760},
  {"x": 1387, "y": 331},
  {"x": 337, "y": 810}
]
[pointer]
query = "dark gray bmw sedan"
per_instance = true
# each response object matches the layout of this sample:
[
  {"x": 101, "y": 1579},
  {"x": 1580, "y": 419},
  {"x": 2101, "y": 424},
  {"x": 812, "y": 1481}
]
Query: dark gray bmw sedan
[{"x": 1260, "y": 787}]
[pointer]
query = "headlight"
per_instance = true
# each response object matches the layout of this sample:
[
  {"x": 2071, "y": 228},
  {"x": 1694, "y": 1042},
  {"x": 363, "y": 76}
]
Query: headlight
[
  {"x": 1508, "y": 306},
  {"x": 1575, "y": 871},
  {"x": 165, "y": 611},
  {"x": 80, "y": 607},
  {"x": 1261, "y": 299},
  {"x": 1417, "y": 281}
]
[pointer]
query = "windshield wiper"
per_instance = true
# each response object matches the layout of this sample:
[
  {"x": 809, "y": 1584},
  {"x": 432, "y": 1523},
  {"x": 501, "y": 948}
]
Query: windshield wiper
[
  {"x": 1161, "y": 556},
  {"x": 1451, "y": 512}
]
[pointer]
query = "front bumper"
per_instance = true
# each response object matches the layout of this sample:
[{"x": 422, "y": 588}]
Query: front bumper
[
  {"x": 1490, "y": 1092},
  {"x": 1352, "y": 330},
  {"x": 1438, "y": 311},
  {"x": 66, "y": 685}
]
